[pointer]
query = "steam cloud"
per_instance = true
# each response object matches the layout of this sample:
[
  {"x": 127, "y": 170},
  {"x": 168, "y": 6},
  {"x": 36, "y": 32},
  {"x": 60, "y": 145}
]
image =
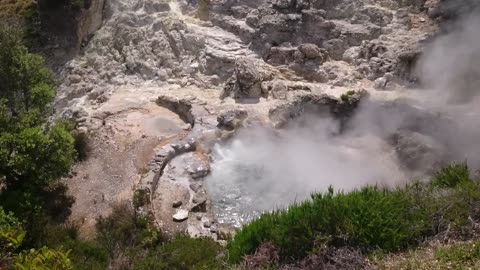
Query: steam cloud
[{"x": 259, "y": 171}]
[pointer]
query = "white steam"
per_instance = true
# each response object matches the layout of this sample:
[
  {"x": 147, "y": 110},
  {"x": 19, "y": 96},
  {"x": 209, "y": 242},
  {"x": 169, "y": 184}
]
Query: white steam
[{"x": 261, "y": 170}]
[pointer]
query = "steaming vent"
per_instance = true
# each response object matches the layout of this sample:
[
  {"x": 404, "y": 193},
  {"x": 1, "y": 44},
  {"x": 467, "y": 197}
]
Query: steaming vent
[{"x": 386, "y": 142}]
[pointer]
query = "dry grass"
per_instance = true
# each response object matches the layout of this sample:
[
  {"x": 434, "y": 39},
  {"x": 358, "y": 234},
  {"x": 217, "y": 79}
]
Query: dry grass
[
  {"x": 19, "y": 8},
  {"x": 435, "y": 256}
]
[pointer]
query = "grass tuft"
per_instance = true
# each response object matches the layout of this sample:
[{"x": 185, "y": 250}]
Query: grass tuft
[{"x": 451, "y": 175}]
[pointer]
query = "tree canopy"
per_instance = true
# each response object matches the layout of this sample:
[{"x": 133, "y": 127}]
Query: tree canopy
[{"x": 34, "y": 152}]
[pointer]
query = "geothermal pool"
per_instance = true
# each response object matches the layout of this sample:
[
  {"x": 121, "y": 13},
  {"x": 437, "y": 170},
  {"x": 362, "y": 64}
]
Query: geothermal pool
[{"x": 258, "y": 171}]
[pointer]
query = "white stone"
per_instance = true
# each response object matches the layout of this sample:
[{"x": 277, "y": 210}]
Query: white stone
[{"x": 180, "y": 216}]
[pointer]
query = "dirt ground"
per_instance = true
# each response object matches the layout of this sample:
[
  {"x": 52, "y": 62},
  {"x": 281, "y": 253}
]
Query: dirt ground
[{"x": 120, "y": 152}]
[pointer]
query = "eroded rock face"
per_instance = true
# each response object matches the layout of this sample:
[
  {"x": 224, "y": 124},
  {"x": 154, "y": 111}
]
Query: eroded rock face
[
  {"x": 66, "y": 29},
  {"x": 322, "y": 105},
  {"x": 182, "y": 107},
  {"x": 131, "y": 48},
  {"x": 302, "y": 35},
  {"x": 449, "y": 9},
  {"x": 246, "y": 80}
]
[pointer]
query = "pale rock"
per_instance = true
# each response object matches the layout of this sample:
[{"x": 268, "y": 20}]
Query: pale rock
[{"x": 180, "y": 216}]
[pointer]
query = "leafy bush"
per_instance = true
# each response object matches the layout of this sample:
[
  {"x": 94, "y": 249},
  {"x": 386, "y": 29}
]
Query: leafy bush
[
  {"x": 123, "y": 229},
  {"x": 87, "y": 255},
  {"x": 11, "y": 236},
  {"x": 346, "y": 97},
  {"x": 184, "y": 253},
  {"x": 43, "y": 259},
  {"x": 131, "y": 242},
  {"x": 369, "y": 218}
]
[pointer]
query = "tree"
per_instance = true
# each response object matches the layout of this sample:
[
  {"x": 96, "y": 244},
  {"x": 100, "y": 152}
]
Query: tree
[
  {"x": 34, "y": 153},
  {"x": 26, "y": 85}
]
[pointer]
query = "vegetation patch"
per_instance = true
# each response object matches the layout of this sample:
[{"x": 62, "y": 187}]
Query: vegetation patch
[
  {"x": 370, "y": 219},
  {"x": 462, "y": 255},
  {"x": 20, "y": 8},
  {"x": 184, "y": 252},
  {"x": 82, "y": 145},
  {"x": 457, "y": 255}
]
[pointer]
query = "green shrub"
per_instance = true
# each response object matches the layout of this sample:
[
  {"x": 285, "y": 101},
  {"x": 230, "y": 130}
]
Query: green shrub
[
  {"x": 346, "y": 97},
  {"x": 123, "y": 229},
  {"x": 451, "y": 175},
  {"x": 87, "y": 255},
  {"x": 11, "y": 236},
  {"x": 141, "y": 197},
  {"x": 43, "y": 259},
  {"x": 369, "y": 218},
  {"x": 184, "y": 253}
]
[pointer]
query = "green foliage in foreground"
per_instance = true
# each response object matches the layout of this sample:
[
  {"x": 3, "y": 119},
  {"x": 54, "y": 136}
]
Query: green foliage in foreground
[
  {"x": 184, "y": 252},
  {"x": 124, "y": 240},
  {"x": 43, "y": 259},
  {"x": 11, "y": 236},
  {"x": 371, "y": 218}
]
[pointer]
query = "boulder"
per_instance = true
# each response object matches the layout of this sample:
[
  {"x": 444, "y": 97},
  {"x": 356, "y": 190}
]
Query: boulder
[
  {"x": 199, "y": 202},
  {"x": 231, "y": 119},
  {"x": 246, "y": 80},
  {"x": 335, "y": 47},
  {"x": 279, "y": 90},
  {"x": 311, "y": 51},
  {"x": 176, "y": 204},
  {"x": 180, "y": 216},
  {"x": 351, "y": 55}
]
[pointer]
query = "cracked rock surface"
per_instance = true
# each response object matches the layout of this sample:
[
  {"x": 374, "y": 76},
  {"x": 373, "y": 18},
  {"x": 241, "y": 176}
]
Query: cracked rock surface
[{"x": 156, "y": 88}]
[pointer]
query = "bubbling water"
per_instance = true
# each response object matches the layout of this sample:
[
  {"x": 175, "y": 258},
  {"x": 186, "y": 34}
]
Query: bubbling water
[{"x": 261, "y": 171}]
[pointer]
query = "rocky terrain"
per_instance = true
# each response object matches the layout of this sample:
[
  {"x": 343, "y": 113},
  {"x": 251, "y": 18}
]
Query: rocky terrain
[{"x": 162, "y": 82}]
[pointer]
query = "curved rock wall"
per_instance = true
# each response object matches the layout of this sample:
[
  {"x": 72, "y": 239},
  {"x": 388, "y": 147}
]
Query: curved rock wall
[{"x": 67, "y": 26}]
